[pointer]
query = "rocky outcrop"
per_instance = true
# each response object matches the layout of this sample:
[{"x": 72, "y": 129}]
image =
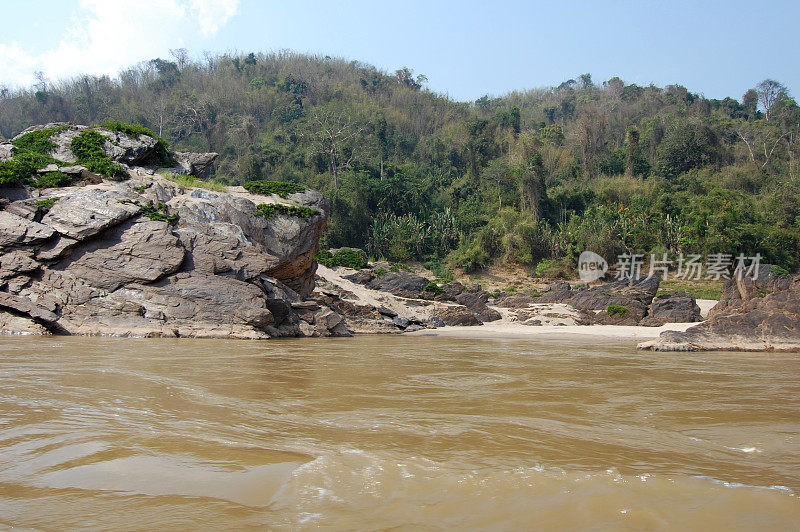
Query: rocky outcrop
[
  {"x": 754, "y": 314},
  {"x": 195, "y": 163},
  {"x": 675, "y": 307},
  {"x": 147, "y": 257},
  {"x": 127, "y": 149}
]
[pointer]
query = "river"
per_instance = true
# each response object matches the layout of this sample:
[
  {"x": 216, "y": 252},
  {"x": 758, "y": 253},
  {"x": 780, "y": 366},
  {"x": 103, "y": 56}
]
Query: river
[{"x": 392, "y": 432}]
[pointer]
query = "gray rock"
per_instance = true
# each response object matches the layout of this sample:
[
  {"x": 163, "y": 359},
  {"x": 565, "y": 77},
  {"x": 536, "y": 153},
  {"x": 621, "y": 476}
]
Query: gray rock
[
  {"x": 131, "y": 252},
  {"x": 760, "y": 314},
  {"x": 6, "y": 151},
  {"x": 360, "y": 277},
  {"x": 15, "y": 230},
  {"x": 401, "y": 284},
  {"x": 401, "y": 322},
  {"x": 676, "y": 307},
  {"x": 84, "y": 212},
  {"x": 195, "y": 163},
  {"x": 29, "y": 308},
  {"x": 633, "y": 294},
  {"x": 454, "y": 315},
  {"x": 16, "y": 262}
]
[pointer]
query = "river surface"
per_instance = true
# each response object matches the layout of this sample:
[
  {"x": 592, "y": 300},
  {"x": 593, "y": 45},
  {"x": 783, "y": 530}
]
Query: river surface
[{"x": 400, "y": 433}]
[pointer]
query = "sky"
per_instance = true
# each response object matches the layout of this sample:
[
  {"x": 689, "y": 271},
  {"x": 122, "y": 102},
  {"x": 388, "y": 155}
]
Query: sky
[{"x": 466, "y": 48}]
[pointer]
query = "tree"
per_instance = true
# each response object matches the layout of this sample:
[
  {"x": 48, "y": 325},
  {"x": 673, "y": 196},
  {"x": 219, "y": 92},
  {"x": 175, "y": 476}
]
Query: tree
[
  {"x": 750, "y": 101},
  {"x": 333, "y": 135},
  {"x": 768, "y": 92},
  {"x": 590, "y": 132},
  {"x": 405, "y": 76},
  {"x": 631, "y": 150}
]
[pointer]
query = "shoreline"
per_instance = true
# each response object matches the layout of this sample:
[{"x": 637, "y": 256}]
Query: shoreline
[{"x": 513, "y": 330}]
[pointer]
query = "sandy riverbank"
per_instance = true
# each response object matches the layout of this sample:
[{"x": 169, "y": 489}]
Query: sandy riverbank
[{"x": 508, "y": 329}]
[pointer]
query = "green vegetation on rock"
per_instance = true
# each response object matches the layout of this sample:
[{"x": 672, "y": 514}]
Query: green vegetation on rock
[
  {"x": 617, "y": 310},
  {"x": 45, "y": 204},
  {"x": 158, "y": 212},
  {"x": 88, "y": 148},
  {"x": 191, "y": 181},
  {"x": 37, "y": 141},
  {"x": 433, "y": 288},
  {"x": 268, "y": 210},
  {"x": 163, "y": 155},
  {"x": 279, "y": 188}
]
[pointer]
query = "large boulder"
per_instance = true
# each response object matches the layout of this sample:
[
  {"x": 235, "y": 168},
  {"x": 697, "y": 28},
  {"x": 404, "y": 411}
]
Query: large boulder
[
  {"x": 761, "y": 314},
  {"x": 86, "y": 212},
  {"x": 194, "y": 263},
  {"x": 195, "y": 163},
  {"x": 475, "y": 299},
  {"x": 675, "y": 307},
  {"x": 403, "y": 284},
  {"x": 456, "y": 315}
]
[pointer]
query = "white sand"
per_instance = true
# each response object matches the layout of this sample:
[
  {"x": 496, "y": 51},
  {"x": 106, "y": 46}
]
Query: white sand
[
  {"x": 507, "y": 329},
  {"x": 706, "y": 305}
]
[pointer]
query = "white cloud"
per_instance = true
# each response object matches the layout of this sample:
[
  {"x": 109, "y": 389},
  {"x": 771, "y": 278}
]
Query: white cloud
[
  {"x": 107, "y": 35},
  {"x": 211, "y": 14},
  {"x": 16, "y": 65}
]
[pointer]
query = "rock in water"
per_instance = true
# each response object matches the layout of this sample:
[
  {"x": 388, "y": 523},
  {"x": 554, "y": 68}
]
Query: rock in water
[{"x": 761, "y": 314}]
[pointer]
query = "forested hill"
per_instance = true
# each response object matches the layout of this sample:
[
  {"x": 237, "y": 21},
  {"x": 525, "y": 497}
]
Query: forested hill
[{"x": 533, "y": 177}]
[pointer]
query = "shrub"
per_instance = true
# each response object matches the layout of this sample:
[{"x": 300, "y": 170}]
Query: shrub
[
  {"x": 268, "y": 210},
  {"x": 268, "y": 188},
  {"x": 348, "y": 257},
  {"x": 400, "y": 267},
  {"x": 555, "y": 269},
  {"x": 53, "y": 180},
  {"x": 18, "y": 171},
  {"x": 89, "y": 150},
  {"x": 380, "y": 271},
  {"x": 433, "y": 288},
  {"x": 617, "y": 310},
  {"x": 45, "y": 204},
  {"x": 158, "y": 213},
  {"x": 778, "y": 271},
  {"x": 440, "y": 270},
  {"x": 470, "y": 256}
]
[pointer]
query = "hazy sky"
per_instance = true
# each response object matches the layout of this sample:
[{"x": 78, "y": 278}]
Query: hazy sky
[{"x": 466, "y": 49}]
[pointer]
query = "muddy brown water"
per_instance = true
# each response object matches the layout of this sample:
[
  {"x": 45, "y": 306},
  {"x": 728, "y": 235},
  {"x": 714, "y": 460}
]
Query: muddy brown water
[{"x": 374, "y": 433}]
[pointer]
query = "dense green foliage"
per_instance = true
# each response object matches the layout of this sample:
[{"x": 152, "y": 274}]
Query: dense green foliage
[
  {"x": 267, "y": 188},
  {"x": 268, "y": 210},
  {"x": 532, "y": 176},
  {"x": 88, "y": 148},
  {"x": 349, "y": 257},
  {"x": 31, "y": 153},
  {"x": 37, "y": 141},
  {"x": 617, "y": 310}
]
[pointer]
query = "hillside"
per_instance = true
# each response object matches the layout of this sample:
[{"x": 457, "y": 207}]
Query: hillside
[{"x": 530, "y": 178}]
